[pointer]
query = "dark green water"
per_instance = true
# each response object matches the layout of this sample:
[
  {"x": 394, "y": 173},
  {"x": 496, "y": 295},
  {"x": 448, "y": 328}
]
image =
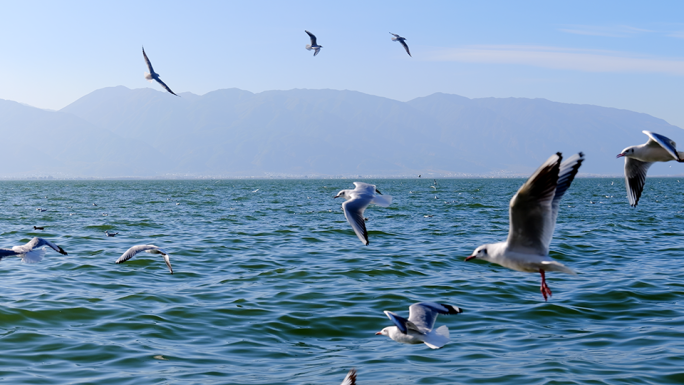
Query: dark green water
[{"x": 273, "y": 287}]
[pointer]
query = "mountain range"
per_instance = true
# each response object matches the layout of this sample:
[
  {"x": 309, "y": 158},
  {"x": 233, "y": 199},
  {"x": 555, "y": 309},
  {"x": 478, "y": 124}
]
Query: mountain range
[{"x": 121, "y": 132}]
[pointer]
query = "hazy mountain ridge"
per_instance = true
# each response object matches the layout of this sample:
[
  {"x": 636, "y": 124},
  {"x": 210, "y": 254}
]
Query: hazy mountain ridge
[{"x": 143, "y": 132}]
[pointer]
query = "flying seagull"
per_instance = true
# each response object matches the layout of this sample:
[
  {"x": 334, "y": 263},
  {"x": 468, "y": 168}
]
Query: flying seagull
[
  {"x": 32, "y": 252},
  {"x": 152, "y": 249},
  {"x": 639, "y": 158},
  {"x": 532, "y": 215},
  {"x": 153, "y": 75},
  {"x": 313, "y": 46},
  {"x": 418, "y": 327},
  {"x": 350, "y": 379},
  {"x": 402, "y": 41},
  {"x": 356, "y": 202}
]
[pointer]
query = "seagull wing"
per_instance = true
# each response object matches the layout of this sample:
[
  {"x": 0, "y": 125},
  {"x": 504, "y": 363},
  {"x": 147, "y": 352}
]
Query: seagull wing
[
  {"x": 318, "y": 49},
  {"x": 424, "y": 314},
  {"x": 313, "y": 39},
  {"x": 635, "y": 179},
  {"x": 37, "y": 242},
  {"x": 147, "y": 61},
  {"x": 164, "y": 254},
  {"x": 530, "y": 212},
  {"x": 350, "y": 379},
  {"x": 668, "y": 144},
  {"x": 401, "y": 323},
  {"x": 133, "y": 251},
  {"x": 566, "y": 175},
  {"x": 7, "y": 253},
  {"x": 164, "y": 85},
  {"x": 353, "y": 211},
  {"x": 405, "y": 47},
  {"x": 364, "y": 188}
]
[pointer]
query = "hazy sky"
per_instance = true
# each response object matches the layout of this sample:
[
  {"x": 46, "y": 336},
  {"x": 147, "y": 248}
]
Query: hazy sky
[{"x": 624, "y": 54}]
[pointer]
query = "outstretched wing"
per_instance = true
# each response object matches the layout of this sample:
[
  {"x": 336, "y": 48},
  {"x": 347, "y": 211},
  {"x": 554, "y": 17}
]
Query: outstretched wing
[
  {"x": 635, "y": 179},
  {"x": 165, "y": 86},
  {"x": 405, "y": 47},
  {"x": 401, "y": 323},
  {"x": 353, "y": 211},
  {"x": 147, "y": 61},
  {"x": 424, "y": 314},
  {"x": 313, "y": 39},
  {"x": 133, "y": 251},
  {"x": 37, "y": 242},
  {"x": 566, "y": 175},
  {"x": 668, "y": 144},
  {"x": 530, "y": 212}
]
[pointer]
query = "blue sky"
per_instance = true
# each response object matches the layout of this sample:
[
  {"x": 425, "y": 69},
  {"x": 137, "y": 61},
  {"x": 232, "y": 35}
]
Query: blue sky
[{"x": 623, "y": 54}]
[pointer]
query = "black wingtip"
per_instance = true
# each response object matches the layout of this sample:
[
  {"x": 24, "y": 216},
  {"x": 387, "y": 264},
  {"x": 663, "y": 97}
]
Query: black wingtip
[
  {"x": 452, "y": 309},
  {"x": 61, "y": 251}
]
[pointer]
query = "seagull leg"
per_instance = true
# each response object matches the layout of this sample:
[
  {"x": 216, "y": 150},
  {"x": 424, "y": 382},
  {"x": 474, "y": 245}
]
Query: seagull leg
[{"x": 544, "y": 287}]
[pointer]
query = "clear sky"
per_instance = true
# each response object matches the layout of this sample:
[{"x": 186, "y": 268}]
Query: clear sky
[{"x": 623, "y": 54}]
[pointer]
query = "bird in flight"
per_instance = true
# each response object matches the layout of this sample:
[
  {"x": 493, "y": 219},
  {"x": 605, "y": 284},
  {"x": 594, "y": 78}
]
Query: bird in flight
[
  {"x": 402, "y": 41},
  {"x": 313, "y": 46},
  {"x": 153, "y": 75}
]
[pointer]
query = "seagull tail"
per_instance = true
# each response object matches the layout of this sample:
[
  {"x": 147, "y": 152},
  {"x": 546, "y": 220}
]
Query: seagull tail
[
  {"x": 34, "y": 256},
  {"x": 382, "y": 200},
  {"x": 435, "y": 339}
]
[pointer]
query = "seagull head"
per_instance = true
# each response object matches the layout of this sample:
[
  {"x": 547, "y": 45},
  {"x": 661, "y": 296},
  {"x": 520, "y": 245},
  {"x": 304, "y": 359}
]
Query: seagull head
[
  {"x": 626, "y": 152},
  {"x": 342, "y": 194},
  {"x": 385, "y": 331},
  {"x": 480, "y": 253}
]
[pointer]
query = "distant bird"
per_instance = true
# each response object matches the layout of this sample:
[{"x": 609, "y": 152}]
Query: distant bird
[
  {"x": 639, "y": 158},
  {"x": 533, "y": 211},
  {"x": 152, "y": 249},
  {"x": 41, "y": 210},
  {"x": 350, "y": 379},
  {"x": 356, "y": 202},
  {"x": 38, "y": 228},
  {"x": 418, "y": 175},
  {"x": 153, "y": 75},
  {"x": 402, "y": 41},
  {"x": 32, "y": 251},
  {"x": 255, "y": 190},
  {"x": 94, "y": 204},
  {"x": 418, "y": 327},
  {"x": 110, "y": 234},
  {"x": 313, "y": 45}
]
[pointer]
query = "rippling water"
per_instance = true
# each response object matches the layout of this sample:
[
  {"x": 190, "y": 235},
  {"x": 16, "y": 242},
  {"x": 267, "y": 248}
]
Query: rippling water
[{"x": 273, "y": 287}]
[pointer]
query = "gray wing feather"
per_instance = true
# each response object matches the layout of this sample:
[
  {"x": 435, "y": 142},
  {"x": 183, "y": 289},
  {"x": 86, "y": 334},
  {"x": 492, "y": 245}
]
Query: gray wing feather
[
  {"x": 353, "y": 211},
  {"x": 164, "y": 85},
  {"x": 668, "y": 144},
  {"x": 635, "y": 179},
  {"x": 566, "y": 175},
  {"x": 405, "y": 47},
  {"x": 530, "y": 211},
  {"x": 424, "y": 314},
  {"x": 313, "y": 38},
  {"x": 350, "y": 379},
  {"x": 147, "y": 61},
  {"x": 133, "y": 251}
]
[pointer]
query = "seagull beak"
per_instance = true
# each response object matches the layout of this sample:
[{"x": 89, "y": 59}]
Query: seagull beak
[
  {"x": 378, "y": 333},
  {"x": 469, "y": 258},
  {"x": 336, "y": 196},
  {"x": 620, "y": 155}
]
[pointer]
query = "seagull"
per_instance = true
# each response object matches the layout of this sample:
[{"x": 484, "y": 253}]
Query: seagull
[
  {"x": 532, "y": 215},
  {"x": 313, "y": 45},
  {"x": 41, "y": 210},
  {"x": 110, "y": 234},
  {"x": 639, "y": 158},
  {"x": 38, "y": 228},
  {"x": 350, "y": 379},
  {"x": 32, "y": 251},
  {"x": 153, "y": 75},
  {"x": 152, "y": 249},
  {"x": 402, "y": 41},
  {"x": 356, "y": 202},
  {"x": 418, "y": 327}
]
